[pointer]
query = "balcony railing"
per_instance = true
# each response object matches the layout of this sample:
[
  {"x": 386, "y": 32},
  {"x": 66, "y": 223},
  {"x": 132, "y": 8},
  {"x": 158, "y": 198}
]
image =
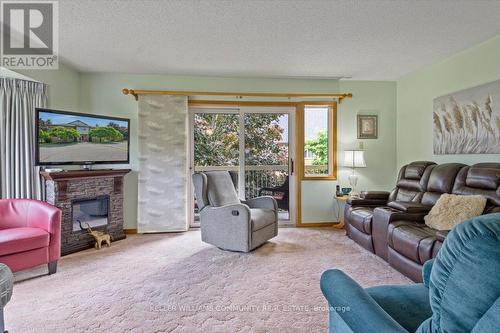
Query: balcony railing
[{"x": 259, "y": 176}]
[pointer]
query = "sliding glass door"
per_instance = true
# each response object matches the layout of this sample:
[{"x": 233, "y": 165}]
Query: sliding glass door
[
  {"x": 267, "y": 158},
  {"x": 254, "y": 142},
  {"x": 214, "y": 145}
]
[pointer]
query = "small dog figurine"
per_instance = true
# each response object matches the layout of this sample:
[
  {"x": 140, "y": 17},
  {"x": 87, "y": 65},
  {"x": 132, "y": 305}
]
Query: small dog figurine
[{"x": 99, "y": 237}]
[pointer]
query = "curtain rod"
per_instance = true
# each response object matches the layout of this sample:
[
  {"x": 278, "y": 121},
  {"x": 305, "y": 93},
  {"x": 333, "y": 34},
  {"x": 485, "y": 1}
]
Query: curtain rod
[{"x": 136, "y": 94}]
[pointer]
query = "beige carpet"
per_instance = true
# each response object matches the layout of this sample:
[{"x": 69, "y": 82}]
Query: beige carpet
[{"x": 175, "y": 283}]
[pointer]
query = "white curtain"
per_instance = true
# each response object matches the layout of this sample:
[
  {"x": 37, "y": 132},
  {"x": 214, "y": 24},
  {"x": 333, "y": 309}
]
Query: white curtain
[
  {"x": 162, "y": 202},
  {"x": 19, "y": 178}
]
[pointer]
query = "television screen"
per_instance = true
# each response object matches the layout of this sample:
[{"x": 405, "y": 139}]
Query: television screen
[{"x": 76, "y": 138}]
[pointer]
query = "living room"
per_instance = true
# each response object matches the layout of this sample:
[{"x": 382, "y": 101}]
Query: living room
[{"x": 250, "y": 166}]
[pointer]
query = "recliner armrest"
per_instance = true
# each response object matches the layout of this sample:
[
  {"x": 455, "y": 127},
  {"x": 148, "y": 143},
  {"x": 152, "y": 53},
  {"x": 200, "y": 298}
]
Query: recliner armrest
[
  {"x": 366, "y": 202},
  {"x": 266, "y": 202},
  {"x": 426, "y": 272},
  {"x": 228, "y": 227},
  {"x": 382, "y": 216},
  {"x": 375, "y": 195},
  {"x": 237, "y": 211},
  {"x": 489, "y": 320},
  {"x": 409, "y": 207},
  {"x": 361, "y": 310}
]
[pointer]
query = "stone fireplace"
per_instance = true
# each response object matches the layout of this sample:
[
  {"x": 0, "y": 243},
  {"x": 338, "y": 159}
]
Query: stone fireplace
[{"x": 93, "y": 197}]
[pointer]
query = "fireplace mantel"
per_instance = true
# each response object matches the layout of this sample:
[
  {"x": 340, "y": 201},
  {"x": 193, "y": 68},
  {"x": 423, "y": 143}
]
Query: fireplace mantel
[
  {"x": 72, "y": 174},
  {"x": 63, "y": 189}
]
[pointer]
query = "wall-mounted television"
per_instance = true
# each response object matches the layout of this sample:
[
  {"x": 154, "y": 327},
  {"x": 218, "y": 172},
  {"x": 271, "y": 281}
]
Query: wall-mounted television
[{"x": 76, "y": 138}]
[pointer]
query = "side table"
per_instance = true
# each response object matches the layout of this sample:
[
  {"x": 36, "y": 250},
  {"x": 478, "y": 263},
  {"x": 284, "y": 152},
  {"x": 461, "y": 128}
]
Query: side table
[{"x": 338, "y": 199}]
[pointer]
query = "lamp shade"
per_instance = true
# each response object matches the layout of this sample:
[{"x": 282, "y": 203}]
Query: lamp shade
[{"x": 354, "y": 159}]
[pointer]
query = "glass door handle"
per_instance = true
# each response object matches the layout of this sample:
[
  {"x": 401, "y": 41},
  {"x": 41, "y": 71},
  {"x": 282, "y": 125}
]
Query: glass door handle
[{"x": 292, "y": 166}]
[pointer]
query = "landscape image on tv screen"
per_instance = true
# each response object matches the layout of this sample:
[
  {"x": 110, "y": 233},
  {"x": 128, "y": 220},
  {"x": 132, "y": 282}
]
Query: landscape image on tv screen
[{"x": 71, "y": 138}]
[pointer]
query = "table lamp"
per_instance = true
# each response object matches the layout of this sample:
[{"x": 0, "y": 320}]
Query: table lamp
[{"x": 354, "y": 159}]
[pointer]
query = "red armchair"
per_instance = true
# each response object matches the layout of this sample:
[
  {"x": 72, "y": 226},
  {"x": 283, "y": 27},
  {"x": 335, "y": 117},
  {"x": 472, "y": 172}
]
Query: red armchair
[{"x": 30, "y": 234}]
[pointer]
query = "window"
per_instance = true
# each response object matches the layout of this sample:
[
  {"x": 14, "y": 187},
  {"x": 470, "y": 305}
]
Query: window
[{"x": 317, "y": 138}]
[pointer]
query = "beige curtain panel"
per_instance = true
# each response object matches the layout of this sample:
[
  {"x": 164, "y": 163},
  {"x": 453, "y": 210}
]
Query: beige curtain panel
[
  {"x": 19, "y": 178},
  {"x": 162, "y": 202}
]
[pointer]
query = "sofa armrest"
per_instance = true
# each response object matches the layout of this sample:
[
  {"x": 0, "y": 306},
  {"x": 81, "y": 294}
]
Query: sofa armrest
[
  {"x": 361, "y": 310},
  {"x": 43, "y": 216},
  {"x": 266, "y": 202},
  {"x": 47, "y": 217},
  {"x": 409, "y": 207},
  {"x": 375, "y": 195}
]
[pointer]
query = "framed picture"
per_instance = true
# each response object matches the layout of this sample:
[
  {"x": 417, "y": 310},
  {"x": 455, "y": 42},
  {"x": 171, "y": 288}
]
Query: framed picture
[
  {"x": 367, "y": 127},
  {"x": 468, "y": 121}
]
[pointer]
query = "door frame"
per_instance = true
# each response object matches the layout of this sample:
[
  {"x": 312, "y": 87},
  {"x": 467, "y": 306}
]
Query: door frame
[
  {"x": 242, "y": 108},
  {"x": 298, "y": 147},
  {"x": 300, "y": 142}
]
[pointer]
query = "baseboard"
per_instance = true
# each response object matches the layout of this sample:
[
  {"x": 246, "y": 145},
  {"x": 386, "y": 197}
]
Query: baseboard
[
  {"x": 130, "y": 231},
  {"x": 316, "y": 224}
]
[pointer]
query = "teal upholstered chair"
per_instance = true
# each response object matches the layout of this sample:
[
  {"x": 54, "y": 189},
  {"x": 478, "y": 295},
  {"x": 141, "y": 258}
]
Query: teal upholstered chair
[{"x": 460, "y": 293}]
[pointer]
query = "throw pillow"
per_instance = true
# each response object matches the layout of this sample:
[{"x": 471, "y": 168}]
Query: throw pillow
[{"x": 452, "y": 209}]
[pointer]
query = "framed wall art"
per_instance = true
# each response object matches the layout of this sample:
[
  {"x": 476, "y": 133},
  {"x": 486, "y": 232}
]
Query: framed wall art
[
  {"x": 468, "y": 121},
  {"x": 367, "y": 126}
]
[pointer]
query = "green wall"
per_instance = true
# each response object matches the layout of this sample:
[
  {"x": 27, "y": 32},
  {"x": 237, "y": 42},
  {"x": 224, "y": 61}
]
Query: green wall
[
  {"x": 369, "y": 97},
  {"x": 100, "y": 93},
  {"x": 416, "y": 92},
  {"x": 64, "y": 86}
]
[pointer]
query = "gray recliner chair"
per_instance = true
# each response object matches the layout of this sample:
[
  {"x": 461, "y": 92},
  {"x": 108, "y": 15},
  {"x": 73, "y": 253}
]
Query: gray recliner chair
[{"x": 227, "y": 222}]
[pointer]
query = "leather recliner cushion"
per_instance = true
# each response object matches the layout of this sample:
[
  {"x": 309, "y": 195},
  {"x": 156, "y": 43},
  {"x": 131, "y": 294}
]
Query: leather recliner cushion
[
  {"x": 413, "y": 240},
  {"x": 443, "y": 176},
  {"x": 375, "y": 195},
  {"x": 480, "y": 181},
  {"x": 441, "y": 181},
  {"x": 415, "y": 170},
  {"x": 361, "y": 219},
  {"x": 485, "y": 178},
  {"x": 409, "y": 207}
]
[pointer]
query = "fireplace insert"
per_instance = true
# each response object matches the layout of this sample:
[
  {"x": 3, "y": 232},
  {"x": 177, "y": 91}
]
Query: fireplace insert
[{"x": 91, "y": 212}]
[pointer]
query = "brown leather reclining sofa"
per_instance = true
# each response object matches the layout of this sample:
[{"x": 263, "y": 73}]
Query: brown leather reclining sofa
[{"x": 392, "y": 226}]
